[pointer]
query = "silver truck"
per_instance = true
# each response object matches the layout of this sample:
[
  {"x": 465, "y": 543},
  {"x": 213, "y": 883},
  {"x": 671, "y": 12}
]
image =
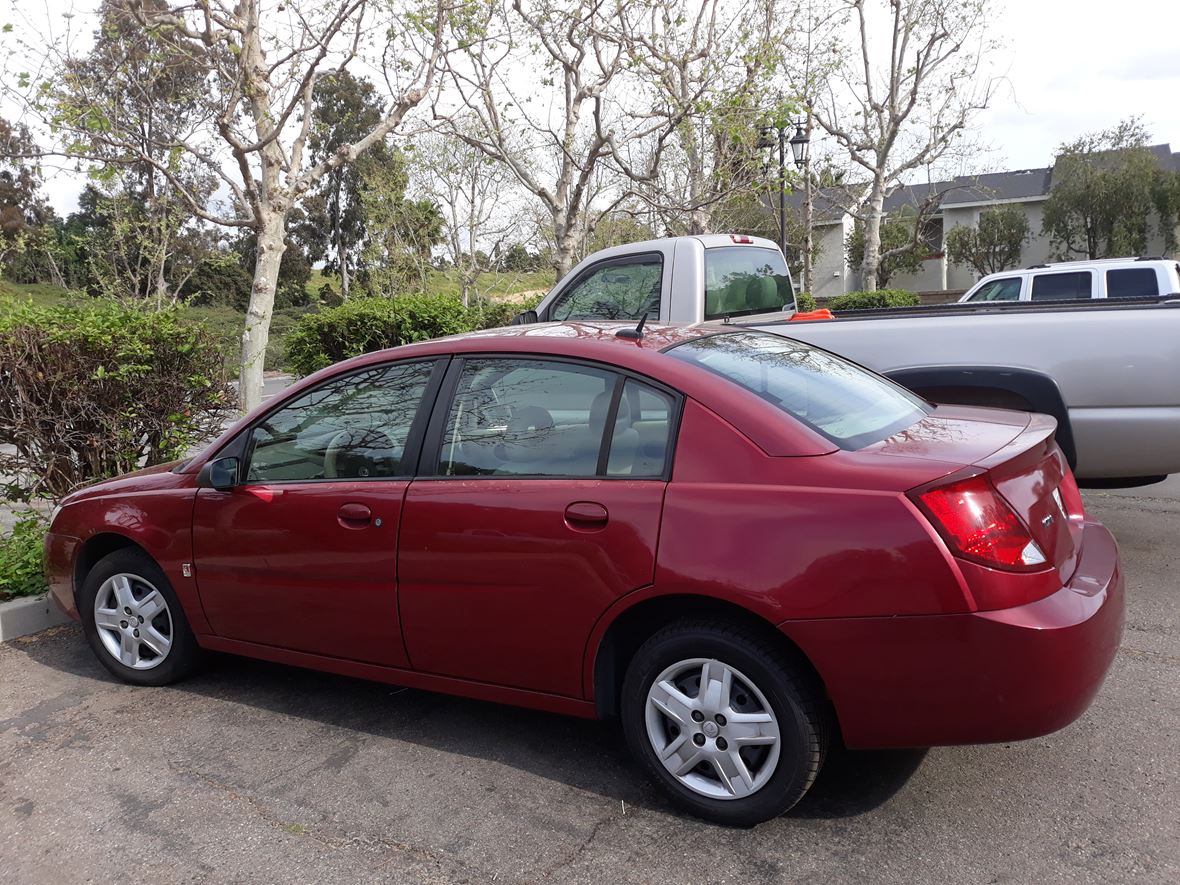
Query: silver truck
[{"x": 1108, "y": 370}]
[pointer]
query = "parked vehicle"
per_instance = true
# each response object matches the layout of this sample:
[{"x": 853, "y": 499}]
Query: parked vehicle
[
  {"x": 1080, "y": 280},
  {"x": 1105, "y": 369},
  {"x": 731, "y": 540}
]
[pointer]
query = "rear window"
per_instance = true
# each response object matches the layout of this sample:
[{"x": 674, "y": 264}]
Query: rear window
[
  {"x": 744, "y": 280},
  {"x": 1073, "y": 286},
  {"x": 848, "y": 405},
  {"x": 1131, "y": 282}
]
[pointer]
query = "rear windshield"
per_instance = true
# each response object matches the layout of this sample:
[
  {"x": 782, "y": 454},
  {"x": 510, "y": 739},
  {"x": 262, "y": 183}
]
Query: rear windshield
[
  {"x": 744, "y": 280},
  {"x": 849, "y": 405}
]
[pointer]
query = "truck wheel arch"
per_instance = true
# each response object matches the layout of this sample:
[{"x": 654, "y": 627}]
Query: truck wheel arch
[{"x": 993, "y": 386}]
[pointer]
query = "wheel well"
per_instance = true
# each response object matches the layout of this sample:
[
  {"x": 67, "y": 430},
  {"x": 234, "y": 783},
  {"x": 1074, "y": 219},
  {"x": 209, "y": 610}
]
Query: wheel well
[
  {"x": 95, "y": 549},
  {"x": 633, "y": 627}
]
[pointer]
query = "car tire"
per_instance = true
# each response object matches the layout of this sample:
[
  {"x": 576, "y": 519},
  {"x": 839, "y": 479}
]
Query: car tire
[
  {"x": 134, "y": 621},
  {"x": 774, "y": 721}
]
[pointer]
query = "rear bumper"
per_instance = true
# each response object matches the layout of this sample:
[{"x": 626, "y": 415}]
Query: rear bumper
[{"x": 1000, "y": 675}]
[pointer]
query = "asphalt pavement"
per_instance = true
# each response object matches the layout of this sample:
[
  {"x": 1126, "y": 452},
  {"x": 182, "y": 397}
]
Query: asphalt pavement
[{"x": 252, "y": 772}]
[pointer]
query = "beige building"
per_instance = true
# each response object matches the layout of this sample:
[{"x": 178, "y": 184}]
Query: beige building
[{"x": 956, "y": 202}]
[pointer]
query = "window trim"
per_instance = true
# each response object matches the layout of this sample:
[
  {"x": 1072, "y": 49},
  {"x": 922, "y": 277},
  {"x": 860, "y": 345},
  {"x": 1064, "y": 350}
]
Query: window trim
[
  {"x": 243, "y": 442},
  {"x": 431, "y": 449},
  {"x": 616, "y": 261}
]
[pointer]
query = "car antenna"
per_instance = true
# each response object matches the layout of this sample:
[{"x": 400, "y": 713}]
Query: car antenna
[{"x": 634, "y": 334}]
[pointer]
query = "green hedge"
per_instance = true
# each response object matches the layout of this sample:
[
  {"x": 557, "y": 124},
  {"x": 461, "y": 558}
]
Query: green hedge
[
  {"x": 21, "y": 556},
  {"x": 874, "y": 299},
  {"x": 362, "y": 325},
  {"x": 804, "y": 302},
  {"x": 100, "y": 389}
]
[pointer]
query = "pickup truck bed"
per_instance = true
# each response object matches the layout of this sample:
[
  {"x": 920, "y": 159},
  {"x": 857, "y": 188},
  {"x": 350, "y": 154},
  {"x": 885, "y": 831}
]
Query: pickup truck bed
[{"x": 1109, "y": 371}]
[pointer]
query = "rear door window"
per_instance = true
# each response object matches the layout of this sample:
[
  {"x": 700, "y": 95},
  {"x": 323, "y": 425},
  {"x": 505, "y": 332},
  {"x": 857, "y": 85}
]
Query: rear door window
[
  {"x": 744, "y": 280},
  {"x": 1007, "y": 289},
  {"x": 1131, "y": 282},
  {"x": 1072, "y": 286}
]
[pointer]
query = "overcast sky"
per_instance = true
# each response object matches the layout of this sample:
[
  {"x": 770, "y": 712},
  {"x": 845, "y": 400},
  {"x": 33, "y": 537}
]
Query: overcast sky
[{"x": 1073, "y": 65}]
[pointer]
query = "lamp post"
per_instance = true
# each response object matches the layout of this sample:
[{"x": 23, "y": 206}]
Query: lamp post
[{"x": 772, "y": 136}]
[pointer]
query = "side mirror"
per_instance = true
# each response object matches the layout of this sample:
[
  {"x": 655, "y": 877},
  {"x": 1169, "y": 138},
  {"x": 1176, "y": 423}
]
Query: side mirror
[
  {"x": 221, "y": 474},
  {"x": 524, "y": 318}
]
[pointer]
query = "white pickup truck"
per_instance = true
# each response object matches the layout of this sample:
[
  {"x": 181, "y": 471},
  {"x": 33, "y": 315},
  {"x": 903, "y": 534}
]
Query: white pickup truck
[{"x": 1108, "y": 371}]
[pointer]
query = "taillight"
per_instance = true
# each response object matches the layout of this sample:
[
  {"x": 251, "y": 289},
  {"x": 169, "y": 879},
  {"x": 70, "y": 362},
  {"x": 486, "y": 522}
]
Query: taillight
[{"x": 979, "y": 525}]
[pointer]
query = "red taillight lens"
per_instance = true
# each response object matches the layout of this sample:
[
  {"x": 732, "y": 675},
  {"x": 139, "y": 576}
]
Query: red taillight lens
[{"x": 978, "y": 524}]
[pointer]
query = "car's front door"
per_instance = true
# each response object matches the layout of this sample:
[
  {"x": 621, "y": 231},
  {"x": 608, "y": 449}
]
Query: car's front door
[
  {"x": 543, "y": 508},
  {"x": 302, "y": 553}
]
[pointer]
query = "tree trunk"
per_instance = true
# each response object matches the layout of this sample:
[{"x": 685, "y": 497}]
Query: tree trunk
[
  {"x": 271, "y": 245},
  {"x": 872, "y": 254},
  {"x": 566, "y": 252}
]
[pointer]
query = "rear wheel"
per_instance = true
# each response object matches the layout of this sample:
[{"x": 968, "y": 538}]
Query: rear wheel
[
  {"x": 134, "y": 621},
  {"x": 723, "y": 722}
]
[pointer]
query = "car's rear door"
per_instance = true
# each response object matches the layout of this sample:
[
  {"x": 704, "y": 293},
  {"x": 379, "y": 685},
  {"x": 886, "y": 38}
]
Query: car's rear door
[
  {"x": 537, "y": 505},
  {"x": 302, "y": 554}
]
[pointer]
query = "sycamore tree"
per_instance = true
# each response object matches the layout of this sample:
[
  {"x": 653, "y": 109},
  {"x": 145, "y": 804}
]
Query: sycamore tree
[
  {"x": 259, "y": 62},
  {"x": 908, "y": 78}
]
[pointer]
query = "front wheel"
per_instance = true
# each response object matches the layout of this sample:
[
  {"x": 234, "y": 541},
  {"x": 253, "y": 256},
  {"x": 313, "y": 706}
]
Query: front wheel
[
  {"x": 723, "y": 722},
  {"x": 134, "y": 622}
]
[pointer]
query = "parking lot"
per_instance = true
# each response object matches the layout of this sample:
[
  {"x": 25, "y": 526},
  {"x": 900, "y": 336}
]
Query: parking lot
[{"x": 254, "y": 772}]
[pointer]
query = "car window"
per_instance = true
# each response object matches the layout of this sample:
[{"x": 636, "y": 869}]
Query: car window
[
  {"x": 1006, "y": 289},
  {"x": 743, "y": 280},
  {"x": 642, "y": 439},
  {"x": 848, "y": 405},
  {"x": 354, "y": 427},
  {"x": 616, "y": 291},
  {"x": 1131, "y": 282},
  {"x": 1061, "y": 286}
]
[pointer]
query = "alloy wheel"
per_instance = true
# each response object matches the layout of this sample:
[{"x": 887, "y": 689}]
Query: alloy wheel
[{"x": 134, "y": 622}]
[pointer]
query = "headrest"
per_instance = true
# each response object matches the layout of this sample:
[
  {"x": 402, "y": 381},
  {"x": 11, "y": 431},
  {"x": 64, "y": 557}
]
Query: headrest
[{"x": 601, "y": 406}]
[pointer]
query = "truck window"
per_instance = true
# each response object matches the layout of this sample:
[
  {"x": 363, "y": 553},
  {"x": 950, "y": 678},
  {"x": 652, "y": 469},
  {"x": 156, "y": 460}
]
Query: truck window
[
  {"x": 744, "y": 280},
  {"x": 1073, "y": 286},
  {"x": 1007, "y": 289},
  {"x": 1131, "y": 282},
  {"x": 848, "y": 405},
  {"x": 623, "y": 289}
]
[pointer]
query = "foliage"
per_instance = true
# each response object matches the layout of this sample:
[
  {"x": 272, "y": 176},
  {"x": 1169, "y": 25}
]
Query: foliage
[
  {"x": 94, "y": 391},
  {"x": 995, "y": 244},
  {"x": 804, "y": 302},
  {"x": 22, "y": 556},
  {"x": 361, "y": 325},
  {"x": 901, "y": 251},
  {"x": 870, "y": 300},
  {"x": 218, "y": 279},
  {"x": 1106, "y": 186}
]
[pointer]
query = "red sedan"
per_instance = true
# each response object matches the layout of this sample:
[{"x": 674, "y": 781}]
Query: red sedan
[{"x": 735, "y": 542}]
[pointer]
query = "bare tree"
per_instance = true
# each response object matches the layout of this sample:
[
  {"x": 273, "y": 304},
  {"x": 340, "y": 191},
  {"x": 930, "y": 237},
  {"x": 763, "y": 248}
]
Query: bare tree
[
  {"x": 705, "y": 74},
  {"x": 260, "y": 61},
  {"x": 546, "y": 84},
  {"x": 474, "y": 193},
  {"x": 902, "y": 95}
]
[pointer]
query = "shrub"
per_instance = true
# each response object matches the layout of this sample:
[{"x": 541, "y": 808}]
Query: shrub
[
  {"x": 21, "y": 557},
  {"x": 489, "y": 314},
  {"x": 93, "y": 391},
  {"x": 361, "y": 325},
  {"x": 218, "y": 280},
  {"x": 804, "y": 302},
  {"x": 875, "y": 299}
]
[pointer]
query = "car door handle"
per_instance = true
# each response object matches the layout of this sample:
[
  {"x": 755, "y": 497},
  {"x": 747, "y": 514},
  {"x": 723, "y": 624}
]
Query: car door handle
[
  {"x": 354, "y": 516},
  {"x": 586, "y": 516}
]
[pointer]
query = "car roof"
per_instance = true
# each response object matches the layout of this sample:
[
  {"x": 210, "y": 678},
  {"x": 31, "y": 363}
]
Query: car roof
[{"x": 771, "y": 429}]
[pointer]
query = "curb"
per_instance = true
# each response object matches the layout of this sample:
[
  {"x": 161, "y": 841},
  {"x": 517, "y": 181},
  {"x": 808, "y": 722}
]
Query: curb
[{"x": 30, "y": 614}]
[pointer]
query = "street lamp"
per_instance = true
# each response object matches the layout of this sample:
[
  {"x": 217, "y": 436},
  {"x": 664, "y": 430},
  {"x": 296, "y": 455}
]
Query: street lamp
[{"x": 775, "y": 135}]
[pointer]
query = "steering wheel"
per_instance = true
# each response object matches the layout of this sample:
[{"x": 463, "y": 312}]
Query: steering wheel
[{"x": 342, "y": 441}]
